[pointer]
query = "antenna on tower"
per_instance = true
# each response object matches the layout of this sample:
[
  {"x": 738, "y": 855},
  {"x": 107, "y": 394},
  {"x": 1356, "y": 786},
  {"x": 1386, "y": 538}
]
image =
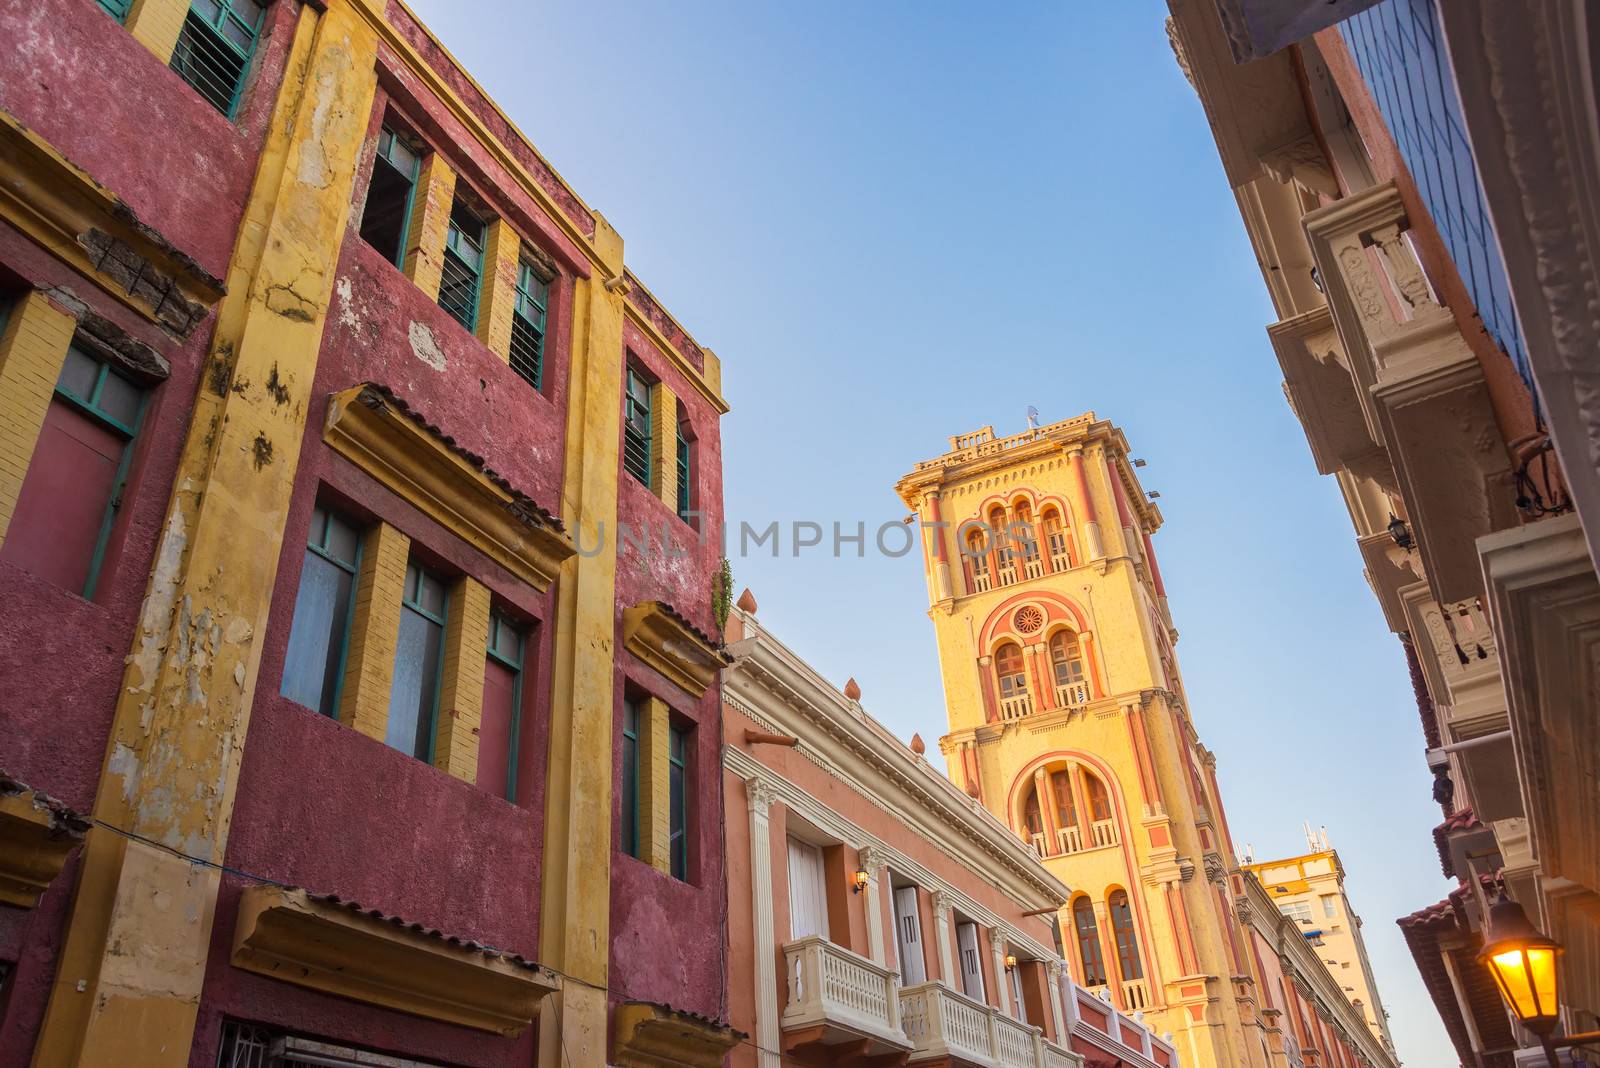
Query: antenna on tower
[
  {"x": 1033, "y": 418},
  {"x": 1311, "y": 838}
]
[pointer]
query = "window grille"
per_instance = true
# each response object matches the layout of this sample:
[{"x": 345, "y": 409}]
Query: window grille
[
  {"x": 636, "y": 428},
  {"x": 528, "y": 325},
  {"x": 460, "y": 275},
  {"x": 214, "y": 49}
]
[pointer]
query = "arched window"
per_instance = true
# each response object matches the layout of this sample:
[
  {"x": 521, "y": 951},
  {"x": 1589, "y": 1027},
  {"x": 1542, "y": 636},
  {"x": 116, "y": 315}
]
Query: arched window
[
  {"x": 1026, "y": 542},
  {"x": 1094, "y": 965},
  {"x": 1013, "y": 681},
  {"x": 1055, "y": 539},
  {"x": 1005, "y": 559},
  {"x": 1066, "y": 664},
  {"x": 977, "y": 556},
  {"x": 1122, "y": 931},
  {"x": 1031, "y": 815}
]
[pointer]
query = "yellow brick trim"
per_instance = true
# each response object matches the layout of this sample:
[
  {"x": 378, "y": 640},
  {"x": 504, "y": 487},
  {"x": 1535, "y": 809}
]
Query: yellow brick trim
[
  {"x": 374, "y": 631},
  {"x": 664, "y": 444},
  {"x": 497, "y": 296},
  {"x": 655, "y": 798},
  {"x": 466, "y": 638},
  {"x": 32, "y": 350},
  {"x": 156, "y": 25},
  {"x": 430, "y": 224}
]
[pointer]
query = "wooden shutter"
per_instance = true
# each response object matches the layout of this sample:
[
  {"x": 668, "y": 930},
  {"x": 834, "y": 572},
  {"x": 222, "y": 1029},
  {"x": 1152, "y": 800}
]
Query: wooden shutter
[
  {"x": 908, "y": 936},
  {"x": 808, "y": 901},
  {"x": 971, "y": 966}
]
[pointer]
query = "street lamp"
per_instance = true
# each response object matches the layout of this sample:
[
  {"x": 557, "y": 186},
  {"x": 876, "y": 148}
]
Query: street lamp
[
  {"x": 1522, "y": 960},
  {"x": 858, "y": 881}
]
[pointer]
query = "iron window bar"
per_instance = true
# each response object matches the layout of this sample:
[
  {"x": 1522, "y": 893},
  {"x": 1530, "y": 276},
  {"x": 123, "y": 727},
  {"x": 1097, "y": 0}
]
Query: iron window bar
[
  {"x": 214, "y": 49},
  {"x": 636, "y": 428},
  {"x": 684, "y": 495},
  {"x": 463, "y": 267},
  {"x": 528, "y": 325}
]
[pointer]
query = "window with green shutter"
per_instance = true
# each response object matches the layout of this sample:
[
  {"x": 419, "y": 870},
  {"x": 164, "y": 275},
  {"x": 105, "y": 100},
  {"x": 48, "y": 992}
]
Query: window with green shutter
[
  {"x": 387, "y": 216},
  {"x": 214, "y": 48},
  {"x": 678, "y": 801},
  {"x": 527, "y": 325},
  {"x": 463, "y": 266},
  {"x": 636, "y": 428},
  {"x": 117, "y": 9},
  {"x": 630, "y": 777},
  {"x": 685, "y": 486}
]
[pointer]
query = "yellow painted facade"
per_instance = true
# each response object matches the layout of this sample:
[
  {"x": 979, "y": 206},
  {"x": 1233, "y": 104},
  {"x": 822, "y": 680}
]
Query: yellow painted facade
[
  {"x": 1309, "y": 889},
  {"x": 1068, "y": 719}
]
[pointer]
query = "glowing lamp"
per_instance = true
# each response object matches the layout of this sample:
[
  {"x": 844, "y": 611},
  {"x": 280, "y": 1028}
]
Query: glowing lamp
[
  {"x": 858, "y": 881},
  {"x": 1011, "y": 962},
  {"x": 1523, "y": 963}
]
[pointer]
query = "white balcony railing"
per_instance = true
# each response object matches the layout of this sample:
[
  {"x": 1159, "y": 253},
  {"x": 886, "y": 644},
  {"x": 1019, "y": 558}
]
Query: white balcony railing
[
  {"x": 1072, "y": 694},
  {"x": 942, "y": 1023},
  {"x": 1136, "y": 995},
  {"x": 1016, "y": 707},
  {"x": 830, "y": 986},
  {"x": 1103, "y": 833},
  {"x": 1071, "y": 839}
]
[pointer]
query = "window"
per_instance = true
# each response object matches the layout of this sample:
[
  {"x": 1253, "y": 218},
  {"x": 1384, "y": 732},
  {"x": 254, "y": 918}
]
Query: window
[
  {"x": 527, "y": 325},
  {"x": 808, "y": 898},
  {"x": 214, "y": 48},
  {"x": 1065, "y": 659},
  {"x": 1055, "y": 540},
  {"x": 313, "y": 669},
  {"x": 246, "y": 1045},
  {"x": 386, "y": 219},
  {"x": 971, "y": 965},
  {"x": 908, "y": 937},
  {"x": 463, "y": 265},
  {"x": 1088, "y": 929},
  {"x": 1127, "y": 941},
  {"x": 414, "y": 691},
  {"x": 1298, "y": 911},
  {"x": 678, "y": 801},
  {"x": 630, "y": 777},
  {"x": 1031, "y": 814},
  {"x": 74, "y": 485},
  {"x": 1329, "y": 908},
  {"x": 1019, "y": 1007},
  {"x": 636, "y": 428},
  {"x": 500, "y": 729},
  {"x": 1066, "y": 806},
  {"x": 1099, "y": 801},
  {"x": 685, "y": 484},
  {"x": 117, "y": 9},
  {"x": 1008, "y": 669}
]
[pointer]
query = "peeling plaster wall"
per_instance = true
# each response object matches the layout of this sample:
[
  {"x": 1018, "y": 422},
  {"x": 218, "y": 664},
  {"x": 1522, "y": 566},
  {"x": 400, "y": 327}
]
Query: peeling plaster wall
[{"x": 116, "y": 111}]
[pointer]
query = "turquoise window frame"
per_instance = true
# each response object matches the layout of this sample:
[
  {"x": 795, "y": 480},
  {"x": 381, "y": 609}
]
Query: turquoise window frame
[
  {"x": 497, "y": 622},
  {"x": 678, "y": 801},
  {"x": 469, "y": 255},
  {"x": 685, "y": 494},
  {"x": 117, "y": 9},
  {"x": 317, "y": 542},
  {"x": 630, "y": 745},
  {"x": 407, "y": 601},
  {"x": 387, "y": 139},
  {"x": 90, "y": 406},
  {"x": 531, "y": 310},
  {"x": 213, "y": 29},
  {"x": 633, "y": 404}
]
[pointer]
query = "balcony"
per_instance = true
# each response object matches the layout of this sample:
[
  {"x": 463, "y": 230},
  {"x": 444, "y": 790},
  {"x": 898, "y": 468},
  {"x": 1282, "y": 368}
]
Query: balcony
[
  {"x": 1070, "y": 839},
  {"x": 1102, "y": 833},
  {"x": 1418, "y": 385},
  {"x": 1136, "y": 995},
  {"x": 944, "y": 1024},
  {"x": 836, "y": 996},
  {"x": 1072, "y": 695},
  {"x": 1016, "y": 707}
]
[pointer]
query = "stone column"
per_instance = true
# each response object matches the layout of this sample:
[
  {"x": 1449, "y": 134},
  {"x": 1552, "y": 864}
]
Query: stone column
[
  {"x": 1047, "y": 810},
  {"x": 1085, "y": 504},
  {"x": 1002, "y": 978},
  {"x": 1052, "y": 970},
  {"x": 872, "y": 863},
  {"x": 760, "y": 796}
]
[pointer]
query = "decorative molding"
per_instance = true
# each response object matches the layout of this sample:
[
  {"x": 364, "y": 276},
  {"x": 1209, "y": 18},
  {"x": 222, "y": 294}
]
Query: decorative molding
[
  {"x": 647, "y": 1035},
  {"x": 666, "y": 641},
  {"x": 285, "y": 933},
  {"x": 79, "y": 221},
  {"x": 377, "y": 432}
]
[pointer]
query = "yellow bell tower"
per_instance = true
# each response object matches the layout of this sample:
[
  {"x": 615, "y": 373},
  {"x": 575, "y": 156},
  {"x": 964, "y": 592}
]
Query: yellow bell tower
[{"x": 1068, "y": 719}]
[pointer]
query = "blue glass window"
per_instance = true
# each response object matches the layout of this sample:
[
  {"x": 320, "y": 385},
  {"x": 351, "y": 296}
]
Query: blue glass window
[{"x": 319, "y": 637}]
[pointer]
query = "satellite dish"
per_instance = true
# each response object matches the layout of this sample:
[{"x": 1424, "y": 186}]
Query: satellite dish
[{"x": 1033, "y": 417}]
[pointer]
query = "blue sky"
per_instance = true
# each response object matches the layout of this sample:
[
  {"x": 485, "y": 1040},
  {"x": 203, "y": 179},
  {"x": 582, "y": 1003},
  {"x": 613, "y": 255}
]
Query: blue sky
[{"x": 899, "y": 221}]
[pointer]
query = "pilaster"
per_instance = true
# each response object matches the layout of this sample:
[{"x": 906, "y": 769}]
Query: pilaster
[
  {"x": 941, "y": 923},
  {"x": 760, "y": 796},
  {"x": 374, "y": 631},
  {"x": 664, "y": 444},
  {"x": 156, "y": 24},
  {"x": 466, "y": 636},
  {"x": 32, "y": 351},
  {"x": 497, "y": 296},
  {"x": 430, "y": 224},
  {"x": 872, "y": 863},
  {"x": 655, "y": 799}
]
